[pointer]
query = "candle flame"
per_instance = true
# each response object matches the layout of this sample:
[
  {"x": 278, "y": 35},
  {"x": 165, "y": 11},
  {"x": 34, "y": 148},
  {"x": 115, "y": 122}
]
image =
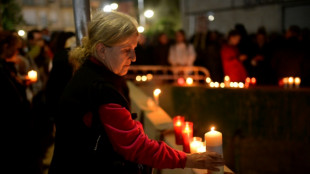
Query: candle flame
[
  {"x": 157, "y": 92},
  {"x": 212, "y": 128},
  {"x": 178, "y": 123}
]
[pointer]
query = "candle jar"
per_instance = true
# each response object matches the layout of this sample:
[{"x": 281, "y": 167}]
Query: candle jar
[
  {"x": 196, "y": 144},
  {"x": 187, "y": 135},
  {"x": 214, "y": 144},
  {"x": 178, "y": 123}
]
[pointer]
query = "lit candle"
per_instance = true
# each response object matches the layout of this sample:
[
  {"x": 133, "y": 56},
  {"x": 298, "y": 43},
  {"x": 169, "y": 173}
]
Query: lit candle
[
  {"x": 290, "y": 82},
  {"x": 156, "y": 93},
  {"x": 208, "y": 80},
  {"x": 33, "y": 75},
  {"x": 138, "y": 78},
  {"x": 253, "y": 81},
  {"x": 202, "y": 148},
  {"x": 144, "y": 78},
  {"x": 149, "y": 76},
  {"x": 178, "y": 123},
  {"x": 222, "y": 85},
  {"x": 297, "y": 82},
  {"x": 227, "y": 81},
  {"x": 187, "y": 135},
  {"x": 189, "y": 81},
  {"x": 247, "y": 82},
  {"x": 196, "y": 144},
  {"x": 213, "y": 140},
  {"x": 181, "y": 81}
]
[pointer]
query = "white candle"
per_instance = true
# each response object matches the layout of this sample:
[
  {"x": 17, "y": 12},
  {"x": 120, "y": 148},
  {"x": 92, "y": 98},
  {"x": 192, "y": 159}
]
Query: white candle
[
  {"x": 227, "y": 81},
  {"x": 156, "y": 93},
  {"x": 297, "y": 82},
  {"x": 196, "y": 144},
  {"x": 290, "y": 82},
  {"x": 189, "y": 81},
  {"x": 213, "y": 140},
  {"x": 33, "y": 75}
]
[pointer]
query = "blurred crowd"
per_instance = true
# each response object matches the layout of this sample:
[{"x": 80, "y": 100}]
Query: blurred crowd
[
  {"x": 266, "y": 56},
  {"x": 27, "y": 107}
]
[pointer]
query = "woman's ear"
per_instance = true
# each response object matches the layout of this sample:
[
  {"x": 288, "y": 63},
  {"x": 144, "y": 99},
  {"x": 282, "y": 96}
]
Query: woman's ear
[{"x": 100, "y": 50}]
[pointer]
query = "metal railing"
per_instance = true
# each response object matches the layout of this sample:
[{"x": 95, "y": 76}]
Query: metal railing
[{"x": 168, "y": 72}]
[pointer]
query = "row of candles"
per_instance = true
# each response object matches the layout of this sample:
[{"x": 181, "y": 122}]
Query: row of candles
[
  {"x": 183, "y": 131},
  {"x": 190, "y": 81},
  {"x": 290, "y": 82}
]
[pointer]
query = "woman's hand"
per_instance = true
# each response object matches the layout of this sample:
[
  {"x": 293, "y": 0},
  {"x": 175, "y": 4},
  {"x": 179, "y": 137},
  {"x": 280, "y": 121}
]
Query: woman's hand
[{"x": 206, "y": 160}]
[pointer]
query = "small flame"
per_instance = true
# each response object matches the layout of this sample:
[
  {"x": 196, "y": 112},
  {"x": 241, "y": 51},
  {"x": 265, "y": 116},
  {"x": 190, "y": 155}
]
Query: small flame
[
  {"x": 212, "y": 128},
  {"x": 157, "y": 92}
]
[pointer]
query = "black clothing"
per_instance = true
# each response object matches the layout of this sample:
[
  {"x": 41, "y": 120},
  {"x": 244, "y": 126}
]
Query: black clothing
[
  {"x": 17, "y": 136},
  {"x": 82, "y": 149}
]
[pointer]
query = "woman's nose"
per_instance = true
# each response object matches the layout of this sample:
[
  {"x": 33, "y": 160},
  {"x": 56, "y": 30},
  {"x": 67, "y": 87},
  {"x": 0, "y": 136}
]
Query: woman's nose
[{"x": 133, "y": 56}]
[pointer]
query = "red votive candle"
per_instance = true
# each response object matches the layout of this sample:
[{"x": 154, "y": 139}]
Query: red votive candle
[
  {"x": 187, "y": 135},
  {"x": 178, "y": 123}
]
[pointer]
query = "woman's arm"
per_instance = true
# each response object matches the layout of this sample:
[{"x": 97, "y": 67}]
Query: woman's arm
[{"x": 128, "y": 139}]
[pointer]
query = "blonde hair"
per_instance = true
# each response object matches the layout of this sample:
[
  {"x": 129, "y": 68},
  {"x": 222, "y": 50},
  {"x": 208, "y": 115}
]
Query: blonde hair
[{"x": 109, "y": 28}]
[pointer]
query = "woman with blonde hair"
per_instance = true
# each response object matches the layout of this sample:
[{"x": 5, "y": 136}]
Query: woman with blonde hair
[{"x": 95, "y": 131}]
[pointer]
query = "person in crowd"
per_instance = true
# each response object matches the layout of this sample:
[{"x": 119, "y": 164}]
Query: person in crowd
[
  {"x": 232, "y": 62},
  {"x": 181, "y": 53},
  {"x": 95, "y": 131},
  {"x": 259, "y": 57},
  {"x": 40, "y": 53},
  {"x": 199, "y": 40},
  {"x": 161, "y": 49},
  {"x": 207, "y": 46},
  {"x": 287, "y": 58},
  {"x": 244, "y": 45},
  {"x": 18, "y": 154}
]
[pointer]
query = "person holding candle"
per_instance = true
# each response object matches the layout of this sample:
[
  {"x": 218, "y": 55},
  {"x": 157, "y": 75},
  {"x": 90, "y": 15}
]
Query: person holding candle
[
  {"x": 95, "y": 131},
  {"x": 17, "y": 136}
]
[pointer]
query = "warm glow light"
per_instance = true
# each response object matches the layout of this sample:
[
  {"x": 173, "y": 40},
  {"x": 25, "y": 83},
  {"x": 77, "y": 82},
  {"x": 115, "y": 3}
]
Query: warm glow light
[
  {"x": 21, "y": 33},
  {"x": 114, "y": 6},
  {"x": 149, "y": 76},
  {"x": 138, "y": 78},
  {"x": 222, "y": 85},
  {"x": 144, "y": 78},
  {"x": 297, "y": 81},
  {"x": 181, "y": 81},
  {"x": 235, "y": 84},
  {"x": 212, "y": 84},
  {"x": 208, "y": 79},
  {"x": 178, "y": 123},
  {"x": 216, "y": 84},
  {"x": 107, "y": 8},
  {"x": 149, "y": 13},
  {"x": 189, "y": 81},
  {"x": 253, "y": 80},
  {"x": 290, "y": 80},
  {"x": 156, "y": 92},
  {"x": 241, "y": 85},
  {"x": 226, "y": 78},
  {"x": 212, "y": 128},
  {"x": 140, "y": 29},
  {"x": 33, "y": 75},
  {"x": 211, "y": 18}
]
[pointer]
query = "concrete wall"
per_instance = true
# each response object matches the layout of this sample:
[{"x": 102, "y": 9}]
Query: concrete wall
[{"x": 274, "y": 17}]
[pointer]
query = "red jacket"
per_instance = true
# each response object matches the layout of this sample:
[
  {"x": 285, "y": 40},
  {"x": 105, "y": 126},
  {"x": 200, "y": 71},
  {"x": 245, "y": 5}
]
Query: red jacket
[
  {"x": 129, "y": 140},
  {"x": 232, "y": 66}
]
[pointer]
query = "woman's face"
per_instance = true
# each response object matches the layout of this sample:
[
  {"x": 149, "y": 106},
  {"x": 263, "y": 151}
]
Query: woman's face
[
  {"x": 179, "y": 37},
  {"x": 118, "y": 58}
]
